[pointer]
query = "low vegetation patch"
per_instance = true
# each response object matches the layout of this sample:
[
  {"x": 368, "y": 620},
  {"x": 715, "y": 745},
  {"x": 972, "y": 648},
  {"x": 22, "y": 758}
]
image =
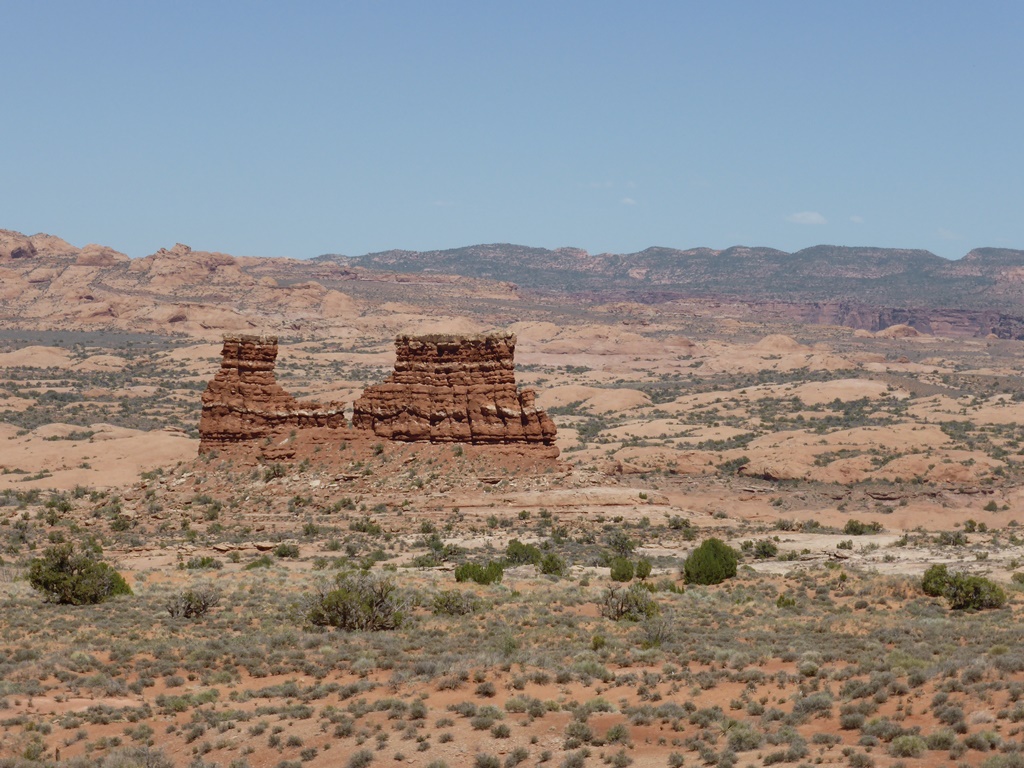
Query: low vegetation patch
[{"x": 358, "y": 601}]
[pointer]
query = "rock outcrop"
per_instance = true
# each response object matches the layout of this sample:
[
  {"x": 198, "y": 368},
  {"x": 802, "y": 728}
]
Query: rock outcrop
[
  {"x": 244, "y": 402},
  {"x": 454, "y": 389},
  {"x": 444, "y": 389}
]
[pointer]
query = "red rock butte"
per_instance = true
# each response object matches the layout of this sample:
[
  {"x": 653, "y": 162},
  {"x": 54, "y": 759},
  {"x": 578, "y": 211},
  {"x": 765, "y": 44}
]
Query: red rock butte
[
  {"x": 458, "y": 389},
  {"x": 444, "y": 389},
  {"x": 244, "y": 402}
]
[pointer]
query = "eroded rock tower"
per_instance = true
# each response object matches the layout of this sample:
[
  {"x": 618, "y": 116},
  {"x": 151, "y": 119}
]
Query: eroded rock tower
[
  {"x": 444, "y": 389},
  {"x": 454, "y": 389}
]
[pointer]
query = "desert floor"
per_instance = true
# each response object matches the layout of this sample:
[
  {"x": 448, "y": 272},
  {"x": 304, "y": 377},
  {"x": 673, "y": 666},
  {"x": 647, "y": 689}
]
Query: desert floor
[{"x": 840, "y": 465}]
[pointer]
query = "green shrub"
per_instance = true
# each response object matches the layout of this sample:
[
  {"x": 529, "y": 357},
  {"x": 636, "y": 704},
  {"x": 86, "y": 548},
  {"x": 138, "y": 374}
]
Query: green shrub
[
  {"x": 552, "y": 565},
  {"x": 677, "y": 523},
  {"x": 962, "y": 590},
  {"x": 966, "y": 591},
  {"x": 620, "y": 544},
  {"x": 452, "y": 602},
  {"x": 785, "y": 601},
  {"x": 622, "y": 569},
  {"x": 733, "y": 466},
  {"x": 982, "y": 741},
  {"x": 274, "y": 470},
  {"x": 952, "y": 539},
  {"x": 935, "y": 580},
  {"x": 712, "y": 562},
  {"x": 518, "y": 553},
  {"x": 908, "y": 745},
  {"x": 287, "y": 550},
  {"x": 1009, "y": 760},
  {"x": 765, "y": 549},
  {"x": 857, "y": 528},
  {"x": 744, "y": 737},
  {"x": 617, "y": 734},
  {"x": 944, "y": 738},
  {"x": 358, "y": 601},
  {"x": 206, "y": 561},
  {"x": 360, "y": 759},
  {"x": 366, "y": 525},
  {"x": 630, "y": 604},
  {"x": 74, "y": 577},
  {"x": 193, "y": 602},
  {"x": 263, "y": 561},
  {"x": 481, "y": 574}
]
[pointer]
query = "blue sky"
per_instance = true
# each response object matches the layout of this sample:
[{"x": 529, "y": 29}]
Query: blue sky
[{"x": 295, "y": 129}]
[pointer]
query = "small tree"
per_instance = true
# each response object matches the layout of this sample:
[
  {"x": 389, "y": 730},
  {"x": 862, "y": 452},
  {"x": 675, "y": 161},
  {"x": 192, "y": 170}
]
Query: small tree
[
  {"x": 935, "y": 580},
  {"x": 73, "y": 577},
  {"x": 643, "y": 568},
  {"x": 620, "y": 544},
  {"x": 712, "y": 562},
  {"x": 622, "y": 569}
]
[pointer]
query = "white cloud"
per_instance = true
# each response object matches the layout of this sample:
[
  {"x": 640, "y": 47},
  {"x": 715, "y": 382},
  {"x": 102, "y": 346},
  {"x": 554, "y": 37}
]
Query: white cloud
[
  {"x": 948, "y": 234},
  {"x": 857, "y": 219},
  {"x": 806, "y": 217},
  {"x": 628, "y": 201}
]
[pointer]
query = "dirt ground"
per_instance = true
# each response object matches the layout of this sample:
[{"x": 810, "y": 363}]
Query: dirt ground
[{"x": 840, "y": 466}]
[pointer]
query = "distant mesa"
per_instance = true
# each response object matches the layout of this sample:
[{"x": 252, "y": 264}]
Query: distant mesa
[{"x": 444, "y": 389}]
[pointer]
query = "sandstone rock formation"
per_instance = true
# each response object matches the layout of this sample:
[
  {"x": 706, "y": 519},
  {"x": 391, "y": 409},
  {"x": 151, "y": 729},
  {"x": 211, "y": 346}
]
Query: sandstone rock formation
[
  {"x": 443, "y": 389},
  {"x": 244, "y": 402},
  {"x": 454, "y": 389}
]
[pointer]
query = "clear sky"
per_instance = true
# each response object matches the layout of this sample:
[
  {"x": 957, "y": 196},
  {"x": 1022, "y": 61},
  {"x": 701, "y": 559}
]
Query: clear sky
[{"x": 295, "y": 129}]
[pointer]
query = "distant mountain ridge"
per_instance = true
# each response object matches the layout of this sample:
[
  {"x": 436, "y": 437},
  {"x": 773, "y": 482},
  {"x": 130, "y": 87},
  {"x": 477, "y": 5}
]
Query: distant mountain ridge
[
  {"x": 984, "y": 279},
  {"x": 45, "y": 282}
]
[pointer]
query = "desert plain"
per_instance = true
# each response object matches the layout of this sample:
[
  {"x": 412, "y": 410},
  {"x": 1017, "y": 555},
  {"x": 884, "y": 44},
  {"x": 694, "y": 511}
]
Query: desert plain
[{"x": 840, "y": 464}]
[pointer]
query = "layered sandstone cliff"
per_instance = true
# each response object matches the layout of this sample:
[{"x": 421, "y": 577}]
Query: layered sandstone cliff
[
  {"x": 443, "y": 389},
  {"x": 454, "y": 389},
  {"x": 244, "y": 402}
]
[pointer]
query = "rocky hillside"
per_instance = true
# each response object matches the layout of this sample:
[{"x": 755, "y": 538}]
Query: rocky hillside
[{"x": 46, "y": 281}]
